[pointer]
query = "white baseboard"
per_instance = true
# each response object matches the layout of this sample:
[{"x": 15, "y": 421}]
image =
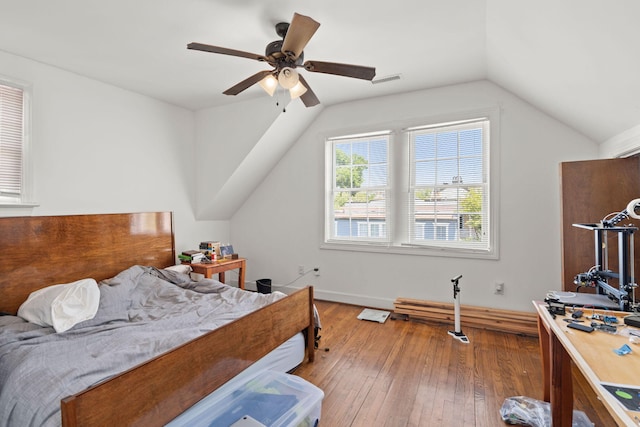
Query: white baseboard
[{"x": 354, "y": 299}]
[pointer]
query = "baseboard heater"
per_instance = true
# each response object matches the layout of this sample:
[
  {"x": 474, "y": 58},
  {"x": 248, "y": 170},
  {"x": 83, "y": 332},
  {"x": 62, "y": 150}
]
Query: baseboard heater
[{"x": 515, "y": 322}]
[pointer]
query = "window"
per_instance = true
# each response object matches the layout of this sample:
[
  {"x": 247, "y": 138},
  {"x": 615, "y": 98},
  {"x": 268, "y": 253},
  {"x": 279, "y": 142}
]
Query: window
[
  {"x": 419, "y": 190},
  {"x": 359, "y": 188},
  {"x": 14, "y": 113}
]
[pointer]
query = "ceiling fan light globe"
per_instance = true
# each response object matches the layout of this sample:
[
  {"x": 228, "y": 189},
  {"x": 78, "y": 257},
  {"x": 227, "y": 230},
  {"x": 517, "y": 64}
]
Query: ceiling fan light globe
[
  {"x": 288, "y": 78},
  {"x": 269, "y": 84},
  {"x": 298, "y": 90}
]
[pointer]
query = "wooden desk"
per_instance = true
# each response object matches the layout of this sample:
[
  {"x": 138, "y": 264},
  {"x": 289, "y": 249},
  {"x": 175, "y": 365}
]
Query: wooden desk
[
  {"x": 593, "y": 354},
  {"x": 220, "y": 267}
]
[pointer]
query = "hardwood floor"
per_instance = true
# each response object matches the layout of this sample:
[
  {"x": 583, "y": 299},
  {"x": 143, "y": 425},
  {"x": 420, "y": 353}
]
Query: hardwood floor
[{"x": 408, "y": 373}]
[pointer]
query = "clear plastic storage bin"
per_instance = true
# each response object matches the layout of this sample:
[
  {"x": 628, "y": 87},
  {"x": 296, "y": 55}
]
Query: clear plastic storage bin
[{"x": 272, "y": 398}]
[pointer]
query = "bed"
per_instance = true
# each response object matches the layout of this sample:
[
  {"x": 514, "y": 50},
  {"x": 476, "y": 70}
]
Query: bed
[{"x": 41, "y": 251}]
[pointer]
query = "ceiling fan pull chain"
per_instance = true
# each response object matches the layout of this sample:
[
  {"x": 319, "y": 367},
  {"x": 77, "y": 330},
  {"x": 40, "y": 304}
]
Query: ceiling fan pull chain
[{"x": 284, "y": 108}]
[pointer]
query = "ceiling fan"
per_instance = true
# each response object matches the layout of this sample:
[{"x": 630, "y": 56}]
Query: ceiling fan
[{"x": 285, "y": 56}]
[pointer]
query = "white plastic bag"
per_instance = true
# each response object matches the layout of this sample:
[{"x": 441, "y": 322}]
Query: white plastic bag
[{"x": 526, "y": 411}]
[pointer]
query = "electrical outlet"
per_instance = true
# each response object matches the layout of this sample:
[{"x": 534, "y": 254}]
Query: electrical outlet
[
  {"x": 498, "y": 288},
  {"x": 301, "y": 269},
  {"x": 316, "y": 271}
]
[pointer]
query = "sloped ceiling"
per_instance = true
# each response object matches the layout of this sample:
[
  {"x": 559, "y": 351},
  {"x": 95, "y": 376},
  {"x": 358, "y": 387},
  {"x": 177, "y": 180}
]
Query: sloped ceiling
[{"x": 576, "y": 60}]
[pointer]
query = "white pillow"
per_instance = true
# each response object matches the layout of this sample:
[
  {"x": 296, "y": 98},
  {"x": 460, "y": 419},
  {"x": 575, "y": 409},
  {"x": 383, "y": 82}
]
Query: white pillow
[
  {"x": 62, "y": 306},
  {"x": 180, "y": 268}
]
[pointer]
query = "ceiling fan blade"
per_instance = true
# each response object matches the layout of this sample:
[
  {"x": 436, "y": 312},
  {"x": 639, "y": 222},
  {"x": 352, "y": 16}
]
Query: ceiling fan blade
[
  {"x": 347, "y": 70},
  {"x": 246, "y": 83},
  {"x": 225, "y": 51},
  {"x": 308, "y": 98},
  {"x": 300, "y": 31}
]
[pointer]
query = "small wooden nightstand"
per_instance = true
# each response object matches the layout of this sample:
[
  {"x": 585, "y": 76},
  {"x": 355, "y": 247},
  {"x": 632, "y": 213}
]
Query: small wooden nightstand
[{"x": 219, "y": 267}]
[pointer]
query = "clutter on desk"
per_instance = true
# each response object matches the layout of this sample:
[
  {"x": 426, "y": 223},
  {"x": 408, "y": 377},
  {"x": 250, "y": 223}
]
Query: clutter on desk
[
  {"x": 555, "y": 307},
  {"x": 632, "y": 320},
  {"x": 627, "y": 395},
  {"x": 226, "y": 251},
  {"x": 211, "y": 248},
  {"x": 625, "y": 349},
  {"x": 209, "y": 251}
]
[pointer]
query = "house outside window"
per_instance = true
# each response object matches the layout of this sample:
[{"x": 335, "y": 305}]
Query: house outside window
[
  {"x": 419, "y": 190},
  {"x": 440, "y": 231},
  {"x": 372, "y": 229}
]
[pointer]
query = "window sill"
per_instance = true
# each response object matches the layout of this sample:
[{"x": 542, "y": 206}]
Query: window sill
[{"x": 412, "y": 250}]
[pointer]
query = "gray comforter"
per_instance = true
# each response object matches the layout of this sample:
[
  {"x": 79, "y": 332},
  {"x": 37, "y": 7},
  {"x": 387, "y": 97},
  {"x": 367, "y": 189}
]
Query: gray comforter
[{"x": 143, "y": 312}]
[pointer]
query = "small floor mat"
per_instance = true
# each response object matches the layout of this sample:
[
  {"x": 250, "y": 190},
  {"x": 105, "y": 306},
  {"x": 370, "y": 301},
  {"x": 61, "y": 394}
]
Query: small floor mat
[{"x": 379, "y": 316}]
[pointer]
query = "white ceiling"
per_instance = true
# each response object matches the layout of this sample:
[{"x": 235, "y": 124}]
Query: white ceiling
[{"x": 575, "y": 59}]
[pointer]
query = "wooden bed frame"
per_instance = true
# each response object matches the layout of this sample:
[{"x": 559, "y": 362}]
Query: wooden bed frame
[{"x": 42, "y": 251}]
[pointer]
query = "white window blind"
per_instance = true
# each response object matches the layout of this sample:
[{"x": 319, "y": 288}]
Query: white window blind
[
  {"x": 449, "y": 190},
  {"x": 11, "y": 142}
]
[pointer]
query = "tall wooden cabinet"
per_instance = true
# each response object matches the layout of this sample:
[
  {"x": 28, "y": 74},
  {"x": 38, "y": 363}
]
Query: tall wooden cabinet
[{"x": 591, "y": 190}]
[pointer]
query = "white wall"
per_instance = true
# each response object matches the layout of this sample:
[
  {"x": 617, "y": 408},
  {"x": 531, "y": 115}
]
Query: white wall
[
  {"x": 101, "y": 149},
  {"x": 281, "y": 225}
]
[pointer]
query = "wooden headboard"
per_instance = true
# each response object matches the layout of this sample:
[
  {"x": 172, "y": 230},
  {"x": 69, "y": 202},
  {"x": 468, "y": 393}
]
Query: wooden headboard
[{"x": 39, "y": 251}]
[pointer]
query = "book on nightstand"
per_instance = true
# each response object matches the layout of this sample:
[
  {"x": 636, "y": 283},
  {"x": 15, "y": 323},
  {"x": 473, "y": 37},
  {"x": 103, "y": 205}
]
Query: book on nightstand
[{"x": 191, "y": 256}]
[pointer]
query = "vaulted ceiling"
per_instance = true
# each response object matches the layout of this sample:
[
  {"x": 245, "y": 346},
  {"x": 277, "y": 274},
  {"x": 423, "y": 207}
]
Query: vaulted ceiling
[{"x": 577, "y": 60}]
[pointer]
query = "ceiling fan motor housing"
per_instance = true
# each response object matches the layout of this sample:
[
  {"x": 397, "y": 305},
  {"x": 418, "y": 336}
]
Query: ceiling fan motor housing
[
  {"x": 273, "y": 47},
  {"x": 274, "y": 50}
]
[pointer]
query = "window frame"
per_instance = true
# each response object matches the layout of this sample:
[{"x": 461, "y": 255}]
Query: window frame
[
  {"x": 399, "y": 158},
  {"x": 25, "y": 198}
]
